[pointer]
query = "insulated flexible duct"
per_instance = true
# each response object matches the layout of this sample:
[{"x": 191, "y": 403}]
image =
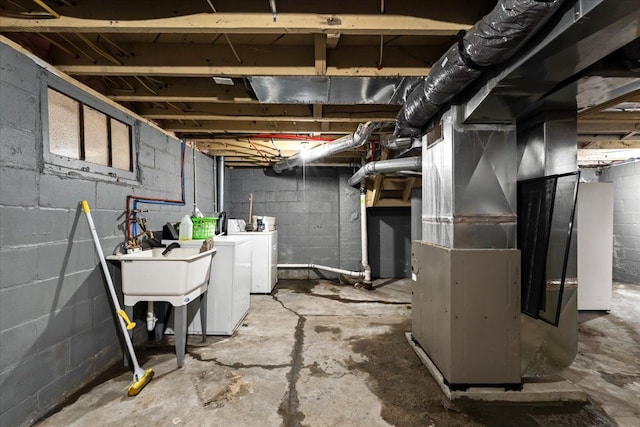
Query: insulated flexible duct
[
  {"x": 386, "y": 166},
  {"x": 394, "y": 143},
  {"x": 492, "y": 40},
  {"x": 359, "y": 137}
]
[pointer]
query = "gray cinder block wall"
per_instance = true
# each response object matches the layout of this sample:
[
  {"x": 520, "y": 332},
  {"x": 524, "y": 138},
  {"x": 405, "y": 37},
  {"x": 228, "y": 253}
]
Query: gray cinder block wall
[
  {"x": 626, "y": 220},
  {"x": 57, "y": 330},
  {"x": 317, "y": 215}
]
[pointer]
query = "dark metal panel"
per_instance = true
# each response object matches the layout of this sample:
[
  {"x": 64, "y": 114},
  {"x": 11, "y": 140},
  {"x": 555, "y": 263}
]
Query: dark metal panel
[{"x": 583, "y": 35}]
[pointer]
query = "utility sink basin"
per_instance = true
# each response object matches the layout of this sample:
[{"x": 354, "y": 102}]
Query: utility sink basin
[{"x": 149, "y": 273}]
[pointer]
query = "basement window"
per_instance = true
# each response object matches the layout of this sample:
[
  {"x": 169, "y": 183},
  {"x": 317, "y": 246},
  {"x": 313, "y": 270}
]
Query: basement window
[{"x": 84, "y": 137}]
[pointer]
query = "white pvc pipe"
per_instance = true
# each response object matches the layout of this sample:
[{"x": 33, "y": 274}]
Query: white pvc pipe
[
  {"x": 151, "y": 317},
  {"x": 195, "y": 183},
  {"x": 221, "y": 194},
  {"x": 363, "y": 235},
  {"x": 356, "y": 274},
  {"x": 215, "y": 185}
]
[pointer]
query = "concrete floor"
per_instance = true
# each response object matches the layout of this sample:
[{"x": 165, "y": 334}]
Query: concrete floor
[{"x": 318, "y": 353}]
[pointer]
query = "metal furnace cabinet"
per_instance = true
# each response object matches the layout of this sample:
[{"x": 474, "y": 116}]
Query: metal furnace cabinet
[{"x": 466, "y": 312}]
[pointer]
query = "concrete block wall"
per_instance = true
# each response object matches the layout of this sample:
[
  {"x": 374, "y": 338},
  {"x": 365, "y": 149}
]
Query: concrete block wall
[
  {"x": 626, "y": 220},
  {"x": 317, "y": 215},
  {"x": 57, "y": 330}
]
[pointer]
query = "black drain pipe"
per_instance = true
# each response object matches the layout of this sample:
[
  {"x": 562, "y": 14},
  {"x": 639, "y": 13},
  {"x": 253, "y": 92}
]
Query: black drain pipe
[{"x": 492, "y": 40}]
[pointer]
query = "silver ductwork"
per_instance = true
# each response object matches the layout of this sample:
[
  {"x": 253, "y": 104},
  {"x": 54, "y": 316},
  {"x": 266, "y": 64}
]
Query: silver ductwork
[
  {"x": 386, "y": 166},
  {"x": 492, "y": 40},
  {"x": 394, "y": 143},
  {"x": 356, "y": 139}
]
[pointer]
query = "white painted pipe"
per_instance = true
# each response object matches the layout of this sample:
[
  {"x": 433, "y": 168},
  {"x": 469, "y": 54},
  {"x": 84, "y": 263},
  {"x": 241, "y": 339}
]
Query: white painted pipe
[
  {"x": 356, "y": 274},
  {"x": 151, "y": 317},
  {"x": 195, "y": 183},
  {"x": 221, "y": 194},
  {"x": 363, "y": 235},
  {"x": 215, "y": 185}
]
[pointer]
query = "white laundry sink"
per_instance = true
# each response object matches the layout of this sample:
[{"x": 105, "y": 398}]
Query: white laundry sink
[{"x": 149, "y": 273}]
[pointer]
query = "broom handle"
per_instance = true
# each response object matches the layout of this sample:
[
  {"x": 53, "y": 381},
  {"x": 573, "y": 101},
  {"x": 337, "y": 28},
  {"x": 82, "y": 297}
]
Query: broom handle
[{"x": 112, "y": 290}]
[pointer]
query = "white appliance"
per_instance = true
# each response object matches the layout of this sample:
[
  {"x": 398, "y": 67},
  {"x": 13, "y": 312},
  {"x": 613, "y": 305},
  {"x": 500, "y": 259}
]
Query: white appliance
[
  {"x": 595, "y": 245},
  {"x": 236, "y": 226},
  {"x": 264, "y": 265},
  {"x": 229, "y": 286},
  {"x": 268, "y": 220}
]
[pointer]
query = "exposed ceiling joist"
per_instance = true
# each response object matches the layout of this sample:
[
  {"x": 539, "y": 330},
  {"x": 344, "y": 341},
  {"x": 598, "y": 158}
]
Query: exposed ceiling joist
[
  {"x": 269, "y": 112},
  {"x": 159, "y": 59},
  {"x": 253, "y": 126},
  {"x": 245, "y": 23},
  {"x": 599, "y": 144},
  {"x": 293, "y": 111},
  {"x": 285, "y": 119},
  {"x": 320, "y": 49},
  {"x": 604, "y": 126},
  {"x": 238, "y": 71},
  {"x": 631, "y": 117},
  {"x": 176, "y": 89}
]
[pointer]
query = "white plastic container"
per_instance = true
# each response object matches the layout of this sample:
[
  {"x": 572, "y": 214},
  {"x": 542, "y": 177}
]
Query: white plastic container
[{"x": 186, "y": 228}]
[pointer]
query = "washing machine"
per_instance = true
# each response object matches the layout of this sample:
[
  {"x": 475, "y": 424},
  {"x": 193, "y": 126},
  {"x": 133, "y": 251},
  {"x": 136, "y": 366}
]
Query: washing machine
[{"x": 229, "y": 285}]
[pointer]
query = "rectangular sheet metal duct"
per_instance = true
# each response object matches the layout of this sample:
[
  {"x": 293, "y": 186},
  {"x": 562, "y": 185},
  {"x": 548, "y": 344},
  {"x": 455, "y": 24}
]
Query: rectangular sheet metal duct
[
  {"x": 331, "y": 90},
  {"x": 469, "y": 186}
]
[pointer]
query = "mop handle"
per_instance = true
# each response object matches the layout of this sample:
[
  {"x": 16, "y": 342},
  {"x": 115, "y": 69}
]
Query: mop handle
[{"x": 112, "y": 290}]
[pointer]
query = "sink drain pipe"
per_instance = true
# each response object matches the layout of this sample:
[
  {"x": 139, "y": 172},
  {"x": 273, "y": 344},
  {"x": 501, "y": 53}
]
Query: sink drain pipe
[{"x": 354, "y": 274}]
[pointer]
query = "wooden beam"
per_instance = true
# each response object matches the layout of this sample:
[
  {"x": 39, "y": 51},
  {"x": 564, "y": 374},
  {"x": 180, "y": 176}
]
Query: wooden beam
[
  {"x": 406, "y": 193},
  {"x": 589, "y": 112},
  {"x": 392, "y": 203},
  {"x": 332, "y": 40},
  {"x": 607, "y": 127},
  {"x": 249, "y": 151},
  {"x": 317, "y": 111},
  {"x": 608, "y": 145},
  {"x": 237, "y": 71},
  {"x": 244, "y": 23},
  {"x": 178, "y": 90},
  {"x": 176, "y": 115},
  {"x": 206, "y": 60},
  {"x": 611, "y": 117},
  {"x": 320, "y": 49},
  {"x": 396, "y": 184},
  {"x": 377, "y": 182},
  {"x": 591, "y": 156},
  {"x": 256, "y": 127}
]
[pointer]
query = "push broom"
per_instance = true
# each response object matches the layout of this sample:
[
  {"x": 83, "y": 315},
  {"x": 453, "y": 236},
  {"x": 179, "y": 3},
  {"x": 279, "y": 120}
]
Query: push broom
[{"x": 140, "y": 376}]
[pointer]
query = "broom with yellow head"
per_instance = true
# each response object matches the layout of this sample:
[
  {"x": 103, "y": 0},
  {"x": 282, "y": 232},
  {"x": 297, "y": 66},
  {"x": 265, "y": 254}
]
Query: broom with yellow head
[{"x": 140, "y": 376}]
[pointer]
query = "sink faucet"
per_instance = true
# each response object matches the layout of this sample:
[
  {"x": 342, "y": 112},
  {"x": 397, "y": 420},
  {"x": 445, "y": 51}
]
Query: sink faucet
[
  {"x": 136, "y": 241},
  {"x": 170, "y": 248}
]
